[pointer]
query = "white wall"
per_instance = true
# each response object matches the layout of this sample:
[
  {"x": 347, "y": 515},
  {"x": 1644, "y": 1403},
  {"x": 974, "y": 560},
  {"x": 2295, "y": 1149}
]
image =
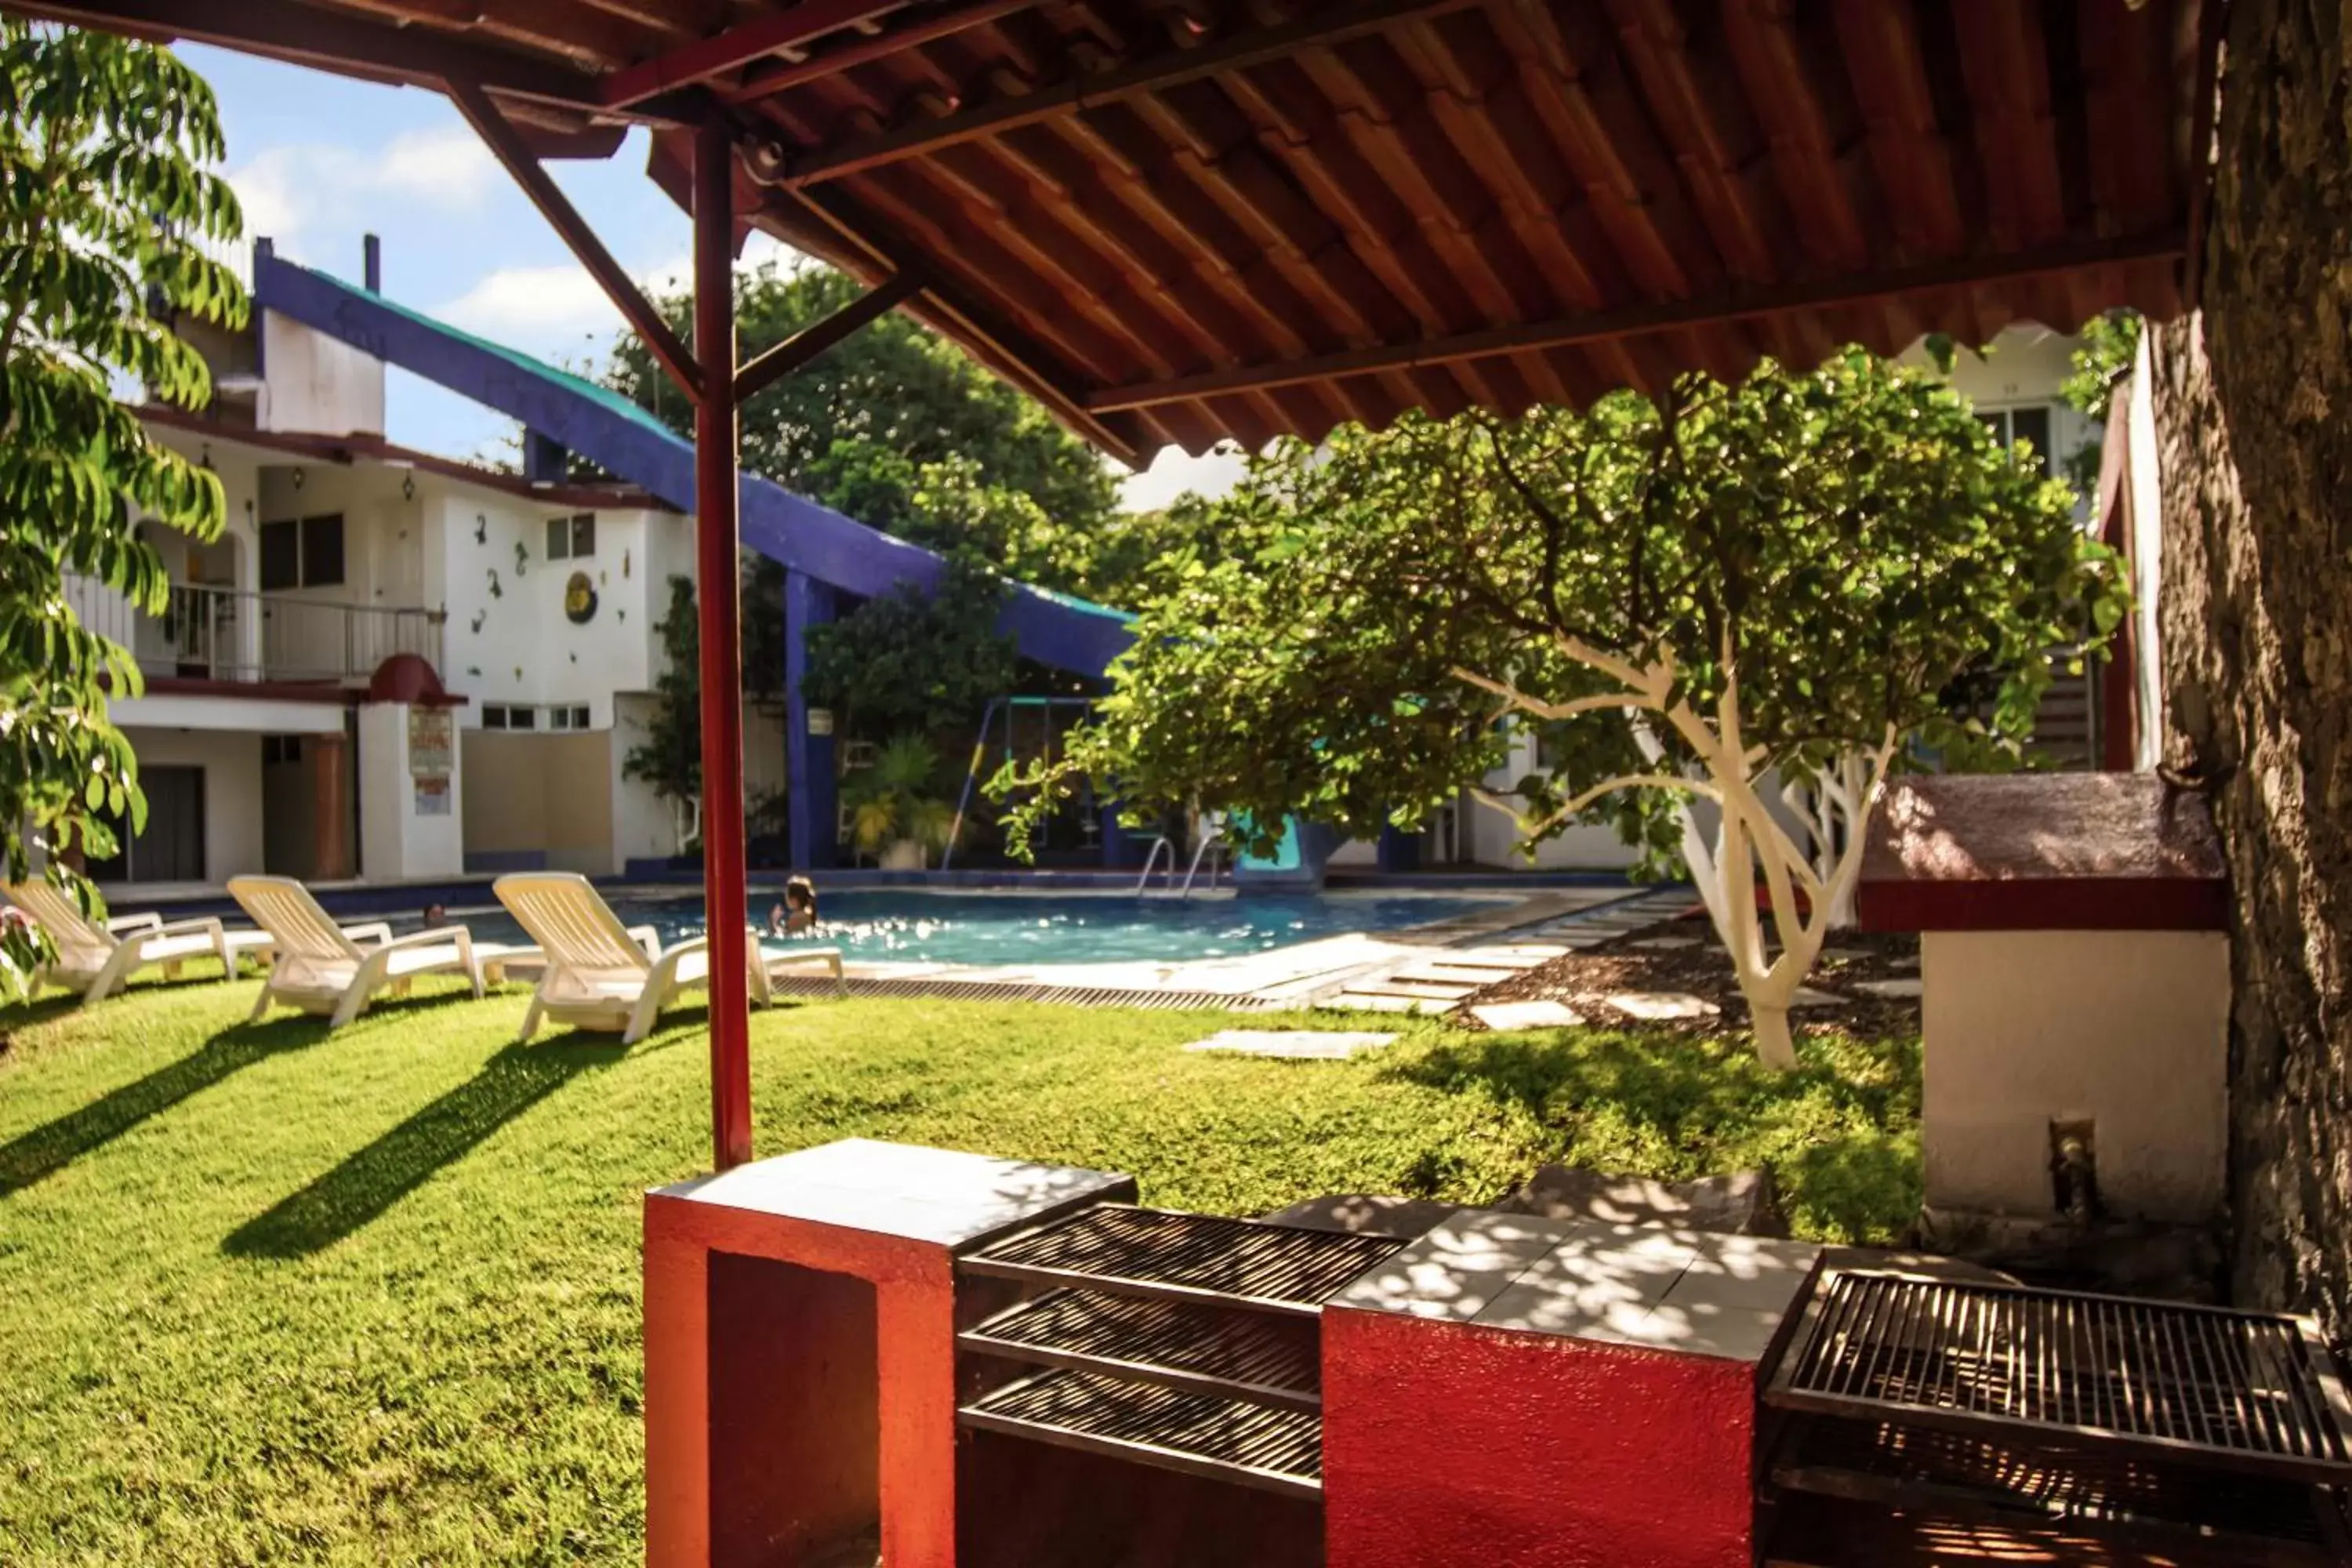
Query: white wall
[
  {"x": 516, "y": 644},
  {"x": 643, "y": 827},
  {"x": 232, "y": 765},
  {"x": 397, "y": 844},
  {"x": 2126, "y": 1029},
  {"x": 315, "y": 383}
]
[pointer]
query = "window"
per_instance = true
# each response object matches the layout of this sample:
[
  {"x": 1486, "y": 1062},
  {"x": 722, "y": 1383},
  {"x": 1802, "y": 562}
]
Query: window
[
  {"x": 509, "y": 716},
  {"x": 570, "y": 716},
  {"x": 280, "y": 749},
  {"x": 2030, "y": 425},
  {"x": 572, "y": 537},
  {"x": 308, "y": 553}
]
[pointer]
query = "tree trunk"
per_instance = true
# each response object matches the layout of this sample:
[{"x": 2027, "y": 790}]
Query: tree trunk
[
  {"x": 2253, "y": 409},
  {"x": 1775, "y": 1045}
]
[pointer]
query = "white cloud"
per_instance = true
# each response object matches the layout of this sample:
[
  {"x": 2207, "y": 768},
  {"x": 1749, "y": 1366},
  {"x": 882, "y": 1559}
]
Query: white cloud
[
  {"x": 1174, "y": 471},
  {"x": 291, "y": 191},
  {"x": 558, "y": 307},
  {"x": 446, "y": 164}
]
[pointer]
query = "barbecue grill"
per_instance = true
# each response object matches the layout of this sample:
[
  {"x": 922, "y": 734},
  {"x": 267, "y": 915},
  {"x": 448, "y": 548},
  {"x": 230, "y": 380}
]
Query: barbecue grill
[
  {"x": 2158, "y": 1425},
  {"x": 1183, "y": 1342}
]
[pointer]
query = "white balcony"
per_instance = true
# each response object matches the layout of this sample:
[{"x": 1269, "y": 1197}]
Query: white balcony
[{"x": 220, "y": 633}]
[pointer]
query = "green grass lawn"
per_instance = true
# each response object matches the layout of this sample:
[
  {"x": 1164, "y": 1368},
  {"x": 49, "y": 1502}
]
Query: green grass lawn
[{"x": 267, "y": 1296}]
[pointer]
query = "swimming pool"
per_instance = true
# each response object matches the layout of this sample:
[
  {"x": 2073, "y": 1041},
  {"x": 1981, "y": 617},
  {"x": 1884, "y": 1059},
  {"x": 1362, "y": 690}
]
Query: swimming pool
[{"x": 1039, "y": 928}]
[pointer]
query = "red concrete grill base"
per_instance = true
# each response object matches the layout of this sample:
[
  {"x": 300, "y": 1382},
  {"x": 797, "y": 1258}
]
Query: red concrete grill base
[{"x": 1545, "y": 1453}]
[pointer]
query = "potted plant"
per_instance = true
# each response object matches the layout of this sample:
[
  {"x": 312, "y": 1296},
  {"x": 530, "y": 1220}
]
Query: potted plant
[{"x": 893, "y": 815}]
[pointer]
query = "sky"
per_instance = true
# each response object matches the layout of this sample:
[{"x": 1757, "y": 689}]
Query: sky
[{"x": 319, "y": 160}]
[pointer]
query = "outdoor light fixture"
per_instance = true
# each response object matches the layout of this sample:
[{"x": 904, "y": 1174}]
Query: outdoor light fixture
[
  {"x": 298, "y": 479},
  {"x": 408, "y": 487}
]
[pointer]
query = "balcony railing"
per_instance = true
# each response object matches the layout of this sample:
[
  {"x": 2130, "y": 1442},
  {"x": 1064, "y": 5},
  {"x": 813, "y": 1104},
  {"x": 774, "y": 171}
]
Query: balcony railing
[{"x": 221, "y": 634}]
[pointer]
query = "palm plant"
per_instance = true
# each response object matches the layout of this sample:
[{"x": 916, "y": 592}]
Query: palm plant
[{"x": 892, "y": 801}]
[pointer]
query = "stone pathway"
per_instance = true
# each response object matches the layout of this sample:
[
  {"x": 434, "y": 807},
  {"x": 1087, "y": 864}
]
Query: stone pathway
[
  {"x": 1527, "y": 1016},
  {"x": 1656, "y": 1006},
  {"x": 1909, "y": 989},
  {"x": 1441, "y": 982},
  {"x": 1294, "y": 1045}
]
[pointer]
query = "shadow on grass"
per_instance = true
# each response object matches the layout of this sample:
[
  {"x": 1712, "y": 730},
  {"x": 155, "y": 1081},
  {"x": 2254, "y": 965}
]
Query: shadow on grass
[
  {"x": 371, "y": 1181},
  {"x": 1707, "y": 1104},
  {"x": 46, "y": 1149}
]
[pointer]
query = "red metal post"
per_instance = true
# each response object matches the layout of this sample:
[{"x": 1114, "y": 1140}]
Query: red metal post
[{"x": 724, "y": 902}]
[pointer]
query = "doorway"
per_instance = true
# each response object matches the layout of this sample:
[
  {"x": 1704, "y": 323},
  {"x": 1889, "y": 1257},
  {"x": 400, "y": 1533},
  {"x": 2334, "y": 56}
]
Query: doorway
[{"x": 171, "y": 849}]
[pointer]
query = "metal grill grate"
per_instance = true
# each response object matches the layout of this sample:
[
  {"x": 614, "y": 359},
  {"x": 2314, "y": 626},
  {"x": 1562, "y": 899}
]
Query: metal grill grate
[
  {"x": 1280, "y": 1450},
  {"x": 1154, "y": 1252},
  {"x": 2252, "y": 1391},
  {"x": 1918, "y": 1468},
  {"x": 1255, "y": 1356}
]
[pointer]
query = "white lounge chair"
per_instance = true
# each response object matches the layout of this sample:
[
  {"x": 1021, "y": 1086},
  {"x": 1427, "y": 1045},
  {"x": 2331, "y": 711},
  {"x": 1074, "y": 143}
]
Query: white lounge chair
[
  {"x": 323, "y": 967},
  {"x": 98, "y": 961},
  {"x": 601, "y": 974}
]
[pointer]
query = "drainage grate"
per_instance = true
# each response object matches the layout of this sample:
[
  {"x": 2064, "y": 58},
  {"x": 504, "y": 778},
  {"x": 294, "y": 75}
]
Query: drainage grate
[
  {"x": 2254, "y": 1391},
  {"x": 1028, "y": 991},
  {"x": 1254, "y": 1356},
  {"x": 1207, "y": 1258},
  {"x": 2161, "y": 1505},
  {"x": 1279, "y": 1450}
]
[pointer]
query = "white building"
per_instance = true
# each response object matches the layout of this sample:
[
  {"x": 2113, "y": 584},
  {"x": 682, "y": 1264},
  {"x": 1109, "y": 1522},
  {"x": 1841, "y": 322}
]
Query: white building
[{"x": 272, "y": 736}]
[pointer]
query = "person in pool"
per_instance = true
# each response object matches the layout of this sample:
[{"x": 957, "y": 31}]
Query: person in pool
[{"x": 797, "y": 913}]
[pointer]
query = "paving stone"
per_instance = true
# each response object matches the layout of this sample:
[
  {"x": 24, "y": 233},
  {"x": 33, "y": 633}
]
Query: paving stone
[
  {"x": 1455, "y": 974},
  {"x": 1527, "y": 1016},
  {"x": 1664, "y": 944},
  {"x": 1294, "y": 1044},
  {"x": 1380, "y": 1214},
  {"x": 1842, "y": 955},
  {"x": 1440, "y": 992},
  {"x": 1909, "y": 961},
  {"x": 1806, "y": 996},
  {"x": 1738, "y": 1204},
  {"x": 1899, "y": 989},
  {"x": 1368, "y": 1001},
  {"x": 1655, "y": 1005}
]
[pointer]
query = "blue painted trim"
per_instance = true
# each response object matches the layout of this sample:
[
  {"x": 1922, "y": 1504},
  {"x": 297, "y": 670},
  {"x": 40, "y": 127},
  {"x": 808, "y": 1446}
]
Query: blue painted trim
[
  {"x": 1054, "y": 629},
  {"x": 809, "y": 778},
  {"x": 491, "y": 862}
]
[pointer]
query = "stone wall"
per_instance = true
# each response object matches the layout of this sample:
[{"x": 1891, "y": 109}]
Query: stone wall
[{"x": 2254, "y": 404}]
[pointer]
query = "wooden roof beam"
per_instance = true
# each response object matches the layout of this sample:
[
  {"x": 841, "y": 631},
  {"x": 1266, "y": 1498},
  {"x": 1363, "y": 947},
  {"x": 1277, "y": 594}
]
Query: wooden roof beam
[
  {"x": 739, "y": 45},
  {"x": 348, "y": 44},
  {"x": 759, "y": 375},
  {"x": 778, "y": 76},
  {"x": 507, "y": 143},
  {"x": 1639, "y": 321},
  {"x": 1091, "y": 90}
]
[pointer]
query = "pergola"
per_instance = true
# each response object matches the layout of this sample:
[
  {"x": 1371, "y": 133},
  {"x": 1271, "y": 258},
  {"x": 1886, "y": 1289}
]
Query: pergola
[{"x": 1182, "y": 221}]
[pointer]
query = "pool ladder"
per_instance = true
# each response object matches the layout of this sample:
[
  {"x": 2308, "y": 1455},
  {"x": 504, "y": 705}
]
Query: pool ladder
[{"x": 1213, "y": 848}]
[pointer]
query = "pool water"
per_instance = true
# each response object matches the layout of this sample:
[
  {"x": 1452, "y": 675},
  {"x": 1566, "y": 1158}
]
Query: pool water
[{"x": 1003, "y": 928}]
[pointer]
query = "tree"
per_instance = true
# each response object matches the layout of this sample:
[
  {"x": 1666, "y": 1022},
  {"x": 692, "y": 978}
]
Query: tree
[
  {"x": 912, "y": 660},
  {"x": 107, "y": 202},
  {"x": 1776, "y": 579},
  {"x": 671, "y": 756},
  {"x": 858, "y": 428}
]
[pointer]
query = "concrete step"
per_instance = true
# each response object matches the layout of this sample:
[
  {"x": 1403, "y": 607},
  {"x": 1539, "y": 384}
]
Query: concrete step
[{"x": 1366, "y": 1001}]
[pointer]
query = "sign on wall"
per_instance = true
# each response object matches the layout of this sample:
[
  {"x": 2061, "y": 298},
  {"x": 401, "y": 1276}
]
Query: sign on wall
[{"x": 432, "y": 758}]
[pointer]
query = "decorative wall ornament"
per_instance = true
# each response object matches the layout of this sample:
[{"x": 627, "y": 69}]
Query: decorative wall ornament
[
  {"x": 495, "y": 592},
  {"x": 481, "y": 529},
  {"x": 578, "y": 599},
  {"x": 480, "y": 616},
  {"x": 522, "y": 554}
]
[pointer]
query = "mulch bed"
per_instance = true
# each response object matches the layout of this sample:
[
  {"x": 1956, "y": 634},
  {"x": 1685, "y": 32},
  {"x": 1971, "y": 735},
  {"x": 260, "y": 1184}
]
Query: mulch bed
[{"x": 1583, "y": 980}]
